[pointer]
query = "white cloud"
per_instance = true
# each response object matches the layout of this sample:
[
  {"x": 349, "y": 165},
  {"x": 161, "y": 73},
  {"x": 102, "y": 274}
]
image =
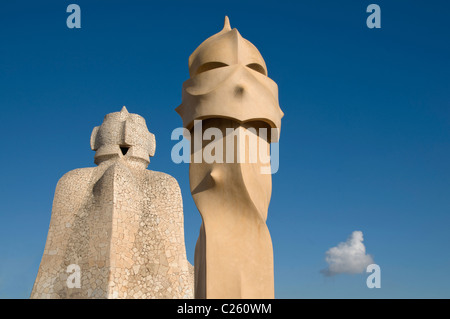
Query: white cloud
[{"x": 348, "y": 257}]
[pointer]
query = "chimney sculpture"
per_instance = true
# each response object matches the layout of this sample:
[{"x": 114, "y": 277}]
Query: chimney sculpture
[
  {"x": 116, "y": 230},
  {"x": 229, "y": 95}
]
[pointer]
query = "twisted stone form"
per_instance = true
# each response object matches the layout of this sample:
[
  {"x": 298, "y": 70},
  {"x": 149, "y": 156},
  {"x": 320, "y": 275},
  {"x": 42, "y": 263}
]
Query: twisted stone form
[
  {"x": 119, "y": 224},
  {"x": 229, "y": 91}
]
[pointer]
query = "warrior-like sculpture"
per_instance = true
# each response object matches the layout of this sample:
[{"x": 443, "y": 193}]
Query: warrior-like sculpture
[
  {"x": 229, "y": 91},
  {"x": 119, "y": 225}
]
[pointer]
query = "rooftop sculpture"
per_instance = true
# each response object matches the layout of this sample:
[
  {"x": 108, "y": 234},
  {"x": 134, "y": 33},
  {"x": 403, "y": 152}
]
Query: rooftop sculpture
[
  {"x": 229, "y": 91},
  {"x": 119, "y": 224}
]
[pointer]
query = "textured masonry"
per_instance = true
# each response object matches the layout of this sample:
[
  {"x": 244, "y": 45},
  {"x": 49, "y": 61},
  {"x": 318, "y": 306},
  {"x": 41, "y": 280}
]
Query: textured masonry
[{"x": 119, "y": 222}]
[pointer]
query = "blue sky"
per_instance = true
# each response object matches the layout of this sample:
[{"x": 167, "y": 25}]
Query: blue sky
[{"x": 365, "y": 140}]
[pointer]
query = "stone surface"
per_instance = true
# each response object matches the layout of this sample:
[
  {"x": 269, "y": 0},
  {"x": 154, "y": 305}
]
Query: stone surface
[
  {"x": 229, "y": 80},
  {"x": 229, "y": 89},
  {"x": 119, "y": 222}
]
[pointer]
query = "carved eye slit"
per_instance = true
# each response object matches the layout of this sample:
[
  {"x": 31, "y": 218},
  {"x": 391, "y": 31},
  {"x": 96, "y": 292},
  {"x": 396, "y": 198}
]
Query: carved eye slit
[
  {"x": 209, "y": 66},
  {"x": 124, "y": 149},
  {"x": 257, "y": 67}
]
